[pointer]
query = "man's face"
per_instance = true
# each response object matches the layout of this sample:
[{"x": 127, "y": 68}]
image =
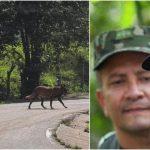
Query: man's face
[{"x": 125, "y": 94}]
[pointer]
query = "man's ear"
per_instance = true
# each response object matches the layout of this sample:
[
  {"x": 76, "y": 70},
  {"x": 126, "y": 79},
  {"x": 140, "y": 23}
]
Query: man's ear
[{"x": 102, "y": 102}]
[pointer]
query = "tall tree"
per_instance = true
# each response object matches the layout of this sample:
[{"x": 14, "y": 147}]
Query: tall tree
[{"x": 37, "y": 23}]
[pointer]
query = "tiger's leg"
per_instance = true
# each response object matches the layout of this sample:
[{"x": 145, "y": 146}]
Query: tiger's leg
[
  {"x": 60, "y": 100},
  {"x": 29, "y": 107},
  {"x": 51, "y": 101},
  {"x": 42, "y": 101}
]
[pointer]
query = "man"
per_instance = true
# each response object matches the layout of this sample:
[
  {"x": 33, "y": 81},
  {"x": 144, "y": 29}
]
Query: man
[{"x": 124, "y": 94}]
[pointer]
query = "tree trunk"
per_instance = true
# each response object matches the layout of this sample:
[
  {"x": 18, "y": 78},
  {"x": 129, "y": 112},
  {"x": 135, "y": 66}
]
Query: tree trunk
[
  {"x": 30, "y": 74},
  {"x": 8, "y": 80},
  {"x": 24, "y": 74},
  {"x": 29, "y": 80},
  {"x": 82, "y": 76}
]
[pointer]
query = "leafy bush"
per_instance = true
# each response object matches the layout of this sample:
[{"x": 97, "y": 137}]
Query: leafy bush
[{"x": 48, "y": 79}]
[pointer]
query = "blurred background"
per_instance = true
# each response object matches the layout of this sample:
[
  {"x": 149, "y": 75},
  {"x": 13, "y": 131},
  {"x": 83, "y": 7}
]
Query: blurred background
[{"x": 105, "y": 16}]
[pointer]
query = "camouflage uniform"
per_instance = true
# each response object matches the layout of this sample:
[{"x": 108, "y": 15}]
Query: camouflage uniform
[{"x": 136, "y": 39}]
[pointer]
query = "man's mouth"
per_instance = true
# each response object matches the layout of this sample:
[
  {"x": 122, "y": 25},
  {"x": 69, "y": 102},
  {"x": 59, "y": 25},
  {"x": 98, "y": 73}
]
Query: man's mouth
[{"x": 136, "y": 109}]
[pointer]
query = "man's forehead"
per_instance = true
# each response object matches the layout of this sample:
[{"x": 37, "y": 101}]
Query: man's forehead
[
  {"x": 125, "y": 58},
  {"x": 123, "y": 73},
  {"x": 122, "y": 62}
]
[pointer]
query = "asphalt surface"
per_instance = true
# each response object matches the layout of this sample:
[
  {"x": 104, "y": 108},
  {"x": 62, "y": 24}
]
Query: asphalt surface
[{"x": 21, "y": 128}]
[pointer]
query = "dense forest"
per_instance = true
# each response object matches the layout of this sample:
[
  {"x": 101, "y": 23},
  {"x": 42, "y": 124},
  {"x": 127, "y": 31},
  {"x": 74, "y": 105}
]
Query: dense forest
[
  {"x": 106, "y": 16},
  {"x": 43, "y": 43}
]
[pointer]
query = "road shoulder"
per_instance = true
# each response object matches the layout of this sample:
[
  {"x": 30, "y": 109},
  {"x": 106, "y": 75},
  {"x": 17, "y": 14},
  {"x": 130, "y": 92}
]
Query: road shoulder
[{"x": 73, "y": 131}]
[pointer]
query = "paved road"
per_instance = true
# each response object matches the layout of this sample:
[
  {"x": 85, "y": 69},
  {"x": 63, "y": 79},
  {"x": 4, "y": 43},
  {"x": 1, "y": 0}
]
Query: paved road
[{"x": 21, "y": 128}]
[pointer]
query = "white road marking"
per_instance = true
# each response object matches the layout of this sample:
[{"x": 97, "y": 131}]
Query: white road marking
[{"x": 49, "y": 133}]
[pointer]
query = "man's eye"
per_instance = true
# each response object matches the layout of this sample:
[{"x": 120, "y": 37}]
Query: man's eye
[
  {"x": 117, "y": 82},
  {"x": 145, "y": 78}
]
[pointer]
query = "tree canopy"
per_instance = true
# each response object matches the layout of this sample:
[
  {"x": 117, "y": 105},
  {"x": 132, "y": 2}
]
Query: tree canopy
[{"x": 40, "y": 37}]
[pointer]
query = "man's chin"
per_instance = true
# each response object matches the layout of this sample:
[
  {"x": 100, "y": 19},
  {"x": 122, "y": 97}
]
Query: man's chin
[{"x": 137, "y": 125}]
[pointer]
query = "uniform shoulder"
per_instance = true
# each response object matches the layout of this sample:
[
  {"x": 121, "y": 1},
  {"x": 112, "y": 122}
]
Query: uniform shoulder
[{"x": 109, "y": 141}]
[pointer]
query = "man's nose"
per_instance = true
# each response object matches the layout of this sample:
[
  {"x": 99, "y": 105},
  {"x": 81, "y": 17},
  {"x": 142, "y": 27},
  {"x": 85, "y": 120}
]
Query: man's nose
[{"x": 134, "y": 92}]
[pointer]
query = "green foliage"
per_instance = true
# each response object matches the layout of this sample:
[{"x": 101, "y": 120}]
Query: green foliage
[
  {"x": 3, "y": 70},
  {"x": 36, "y": 38},
  {"x": 99, "y": 124},
  {"x": 71, "y": 60},
  {"x": 82, "y": 53},
  {"x": 128, "y": 14},
  {"x": 48, "y": 79},
  {"x": 36, "y": 41},
  {"x": 15, "y": 88},
  {"x": 11, "y": 55},
  {"x": 68, "y": 75},
  {"x": 72, "y": 82},
  {"x": 14, "y": 79}
]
